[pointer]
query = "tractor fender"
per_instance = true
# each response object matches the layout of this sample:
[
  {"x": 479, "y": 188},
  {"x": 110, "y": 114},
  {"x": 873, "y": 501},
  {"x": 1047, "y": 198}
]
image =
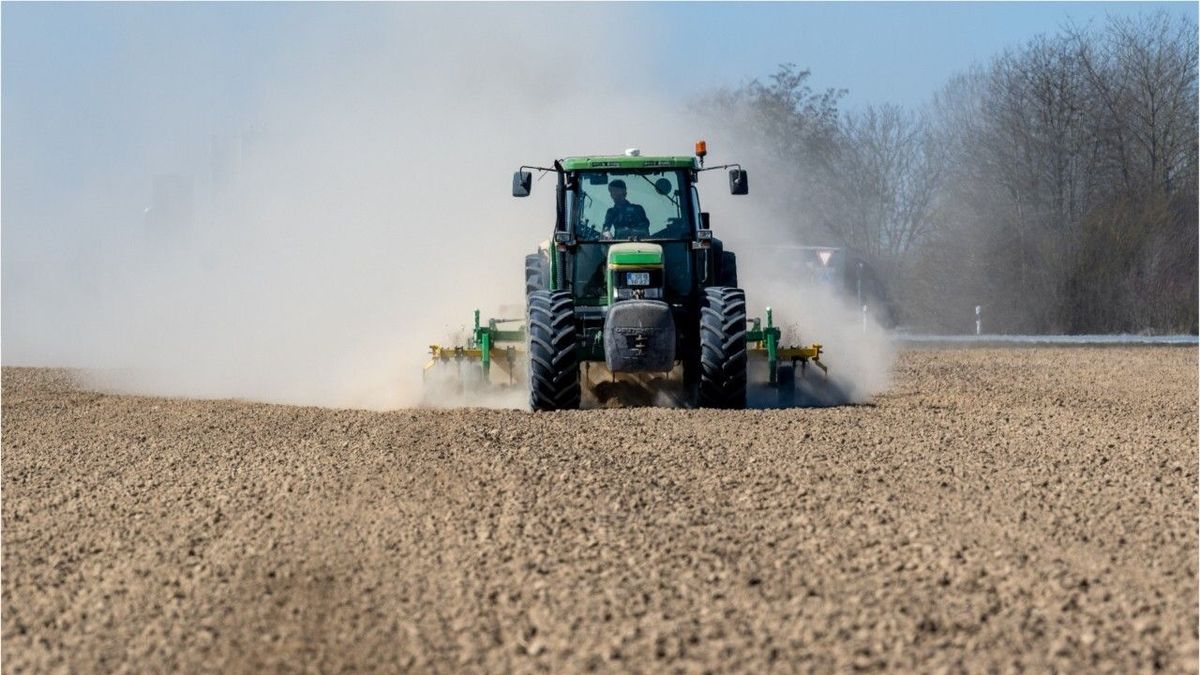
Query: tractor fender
[{"x": 725, "y": 264}]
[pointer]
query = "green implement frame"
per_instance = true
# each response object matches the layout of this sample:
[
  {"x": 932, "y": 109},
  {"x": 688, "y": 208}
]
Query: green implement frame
[{"x": 482, "y": 347}]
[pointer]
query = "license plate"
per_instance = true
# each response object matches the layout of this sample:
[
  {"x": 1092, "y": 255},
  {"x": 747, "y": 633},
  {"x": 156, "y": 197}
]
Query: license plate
[{"x": 637, "y": 278}]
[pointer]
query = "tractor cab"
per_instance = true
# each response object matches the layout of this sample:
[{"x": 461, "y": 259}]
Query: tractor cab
[
  {"x": 631, "y": 222},
  {"x": 652, "y": 201},
  {"x": 652, "y": 204}
]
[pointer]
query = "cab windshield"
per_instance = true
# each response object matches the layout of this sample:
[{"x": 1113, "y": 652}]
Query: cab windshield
[{"x": 630, "y": 205}]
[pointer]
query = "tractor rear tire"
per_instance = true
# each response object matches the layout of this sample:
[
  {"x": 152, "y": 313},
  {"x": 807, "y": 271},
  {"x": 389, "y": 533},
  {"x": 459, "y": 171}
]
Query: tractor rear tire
[
  {"x": 723, "y": 349},
  {"x": 535, "y": 274},
  {"x": 553, "y": 361}
]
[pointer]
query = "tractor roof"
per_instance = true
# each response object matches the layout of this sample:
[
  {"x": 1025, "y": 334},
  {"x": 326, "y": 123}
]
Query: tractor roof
[{"x": 601, "y": 162}]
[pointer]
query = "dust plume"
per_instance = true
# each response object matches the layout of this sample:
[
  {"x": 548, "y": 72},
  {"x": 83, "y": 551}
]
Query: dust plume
[
  {"x": 857, "y": 351},
  {"x": 297, "y": 221},
  {"x": 353, "y": 210},
  {"x": 765, "y": 233}
]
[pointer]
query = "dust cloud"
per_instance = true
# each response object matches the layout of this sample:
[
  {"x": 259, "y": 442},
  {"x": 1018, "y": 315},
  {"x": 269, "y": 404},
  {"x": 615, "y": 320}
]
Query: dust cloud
[
  {"x": 763, "y": 231},
  {"x": 305, "y": 241},
  {"x": 858, "y": 351}
]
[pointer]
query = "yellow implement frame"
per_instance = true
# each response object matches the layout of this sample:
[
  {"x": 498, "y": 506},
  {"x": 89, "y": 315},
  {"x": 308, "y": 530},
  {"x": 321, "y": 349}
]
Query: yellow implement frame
[
  {"x": 802, "y": 354},
  {"x": 504, "y": 358}
]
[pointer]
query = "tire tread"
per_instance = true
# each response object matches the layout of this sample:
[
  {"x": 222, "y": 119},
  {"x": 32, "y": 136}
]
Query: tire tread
[
  {"x": 553, "y": 361},
  {"x": 723, "y": 348}
]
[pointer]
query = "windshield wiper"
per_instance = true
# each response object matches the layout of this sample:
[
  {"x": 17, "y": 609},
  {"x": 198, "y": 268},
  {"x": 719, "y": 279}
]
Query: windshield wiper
[{"x": 668, "y": 196}]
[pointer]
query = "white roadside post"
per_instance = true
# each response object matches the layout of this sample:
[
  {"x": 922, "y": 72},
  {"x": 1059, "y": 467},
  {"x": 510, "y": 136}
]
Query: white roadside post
[
  {"x": 978, "y": 319},
  {"x": 860, "y": 268},
  {"x": 864, "y": 319}
]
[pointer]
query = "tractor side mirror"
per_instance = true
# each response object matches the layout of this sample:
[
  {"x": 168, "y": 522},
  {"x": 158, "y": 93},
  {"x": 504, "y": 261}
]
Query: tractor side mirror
[
  {"x": 739, "y": 182},
  {"x": 704, "y": 221},
  {"x": 522, "y": 182}
]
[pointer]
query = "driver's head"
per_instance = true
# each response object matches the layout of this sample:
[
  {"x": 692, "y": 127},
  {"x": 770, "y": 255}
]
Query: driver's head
[{"x": 616, "y": 190}]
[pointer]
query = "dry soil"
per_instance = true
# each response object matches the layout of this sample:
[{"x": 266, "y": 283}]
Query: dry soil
[{"x": 996, "y": 509}]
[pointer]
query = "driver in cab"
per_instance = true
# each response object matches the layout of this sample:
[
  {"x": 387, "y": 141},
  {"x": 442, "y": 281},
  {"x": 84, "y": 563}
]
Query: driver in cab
[{"x": 625, "y": 220}]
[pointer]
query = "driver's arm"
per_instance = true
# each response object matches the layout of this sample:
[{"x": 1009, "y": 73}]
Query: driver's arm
[
  {"x": 642, "y": 221},
  {"x": 609, "y": 217}
]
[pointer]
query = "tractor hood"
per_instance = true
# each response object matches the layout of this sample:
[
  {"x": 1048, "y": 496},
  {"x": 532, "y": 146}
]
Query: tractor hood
[{"x": 635, "y": 253}]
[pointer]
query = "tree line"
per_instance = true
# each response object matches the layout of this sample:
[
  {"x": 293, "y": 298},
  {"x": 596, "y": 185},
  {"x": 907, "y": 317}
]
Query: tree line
[{"x": 1055, "y": 185}]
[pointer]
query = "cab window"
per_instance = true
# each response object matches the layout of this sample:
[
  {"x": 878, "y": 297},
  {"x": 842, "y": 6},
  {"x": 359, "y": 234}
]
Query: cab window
[{"x": 630, "y": 206}]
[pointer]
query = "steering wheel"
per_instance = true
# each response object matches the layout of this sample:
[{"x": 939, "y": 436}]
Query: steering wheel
[{"x": 589, "y": 233}]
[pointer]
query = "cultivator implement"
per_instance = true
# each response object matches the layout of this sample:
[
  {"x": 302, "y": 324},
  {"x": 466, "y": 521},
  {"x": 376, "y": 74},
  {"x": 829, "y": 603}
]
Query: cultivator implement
[
  {"x": 781, "y": 362},
  {"x": 763, "y": 343},
  {"x": 500, "y": 343}
]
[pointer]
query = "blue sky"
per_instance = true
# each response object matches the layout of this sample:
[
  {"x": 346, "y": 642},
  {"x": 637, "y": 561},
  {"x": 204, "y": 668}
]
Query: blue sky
[
  {"x": 895, "y": 52},
  {"x": 88, "y": 85},
  {"x": 891, "y": 51}
]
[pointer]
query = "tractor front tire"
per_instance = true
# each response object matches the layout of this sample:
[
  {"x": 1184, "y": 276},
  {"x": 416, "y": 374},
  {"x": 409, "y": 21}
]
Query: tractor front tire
[
  {"x": 722, "y": 349},
  {"x": 553, "y": 361}
]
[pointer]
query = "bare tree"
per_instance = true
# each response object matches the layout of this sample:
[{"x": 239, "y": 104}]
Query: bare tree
[
  {"x": 1071, "y": 165},
  {"x": 887, "y": 171},
  {"x": 1142, "y": 72},
  {"x": 1056, "y": 184},
  {"x": 789, "y": 131}
]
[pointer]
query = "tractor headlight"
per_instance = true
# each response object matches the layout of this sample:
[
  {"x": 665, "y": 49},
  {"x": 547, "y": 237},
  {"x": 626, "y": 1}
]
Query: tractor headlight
[{"x": 652, "y": 293}]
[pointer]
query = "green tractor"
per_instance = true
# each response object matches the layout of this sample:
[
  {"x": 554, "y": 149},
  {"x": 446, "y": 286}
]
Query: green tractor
[{"x": 632, "y": 278}]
